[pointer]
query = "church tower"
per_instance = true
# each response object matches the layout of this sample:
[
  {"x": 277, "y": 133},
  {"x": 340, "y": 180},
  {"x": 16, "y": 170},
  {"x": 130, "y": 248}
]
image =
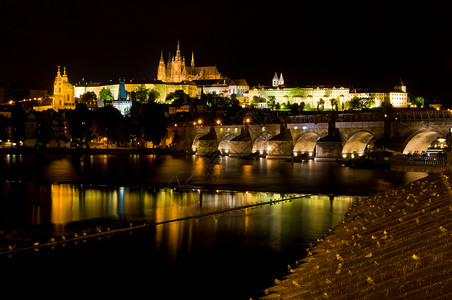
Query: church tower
[
  {"x": 281, "y": 80},
  {"x": 192, "y": 59},
  {"x": 161, "y": 71},
  {"x": 401, "y": 86},
  {"x": 63, "y": 92},
  {"x": 275, "y": 80}
]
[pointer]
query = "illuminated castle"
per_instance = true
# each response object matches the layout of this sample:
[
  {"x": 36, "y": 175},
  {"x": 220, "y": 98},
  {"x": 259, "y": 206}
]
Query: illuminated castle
[{"x": 175, "y": 70}]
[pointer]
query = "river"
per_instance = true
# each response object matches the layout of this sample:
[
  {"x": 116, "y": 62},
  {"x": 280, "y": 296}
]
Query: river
[{"x": 232, "y": 254}]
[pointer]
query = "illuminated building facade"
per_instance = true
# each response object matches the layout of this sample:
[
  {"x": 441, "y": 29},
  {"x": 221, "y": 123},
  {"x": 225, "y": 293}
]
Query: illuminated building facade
[
  {"x": 312, "y": 96},
  {"x": 63, "y": 94},
  {"x": 163, "y": 89}
]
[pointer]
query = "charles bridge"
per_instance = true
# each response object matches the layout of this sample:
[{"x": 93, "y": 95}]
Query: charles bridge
[{"x": 321, "y": 136}]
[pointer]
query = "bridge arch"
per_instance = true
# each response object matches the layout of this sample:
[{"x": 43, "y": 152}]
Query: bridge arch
[
  {"x": 420, "y": 141},
  {"x": 306, "y": 143},
  {"x": 260, "y": 144},
  {"x": 357, "y": 142},
  {"x": 225, "y": 143},
  {"x": 194, "y": 144}
]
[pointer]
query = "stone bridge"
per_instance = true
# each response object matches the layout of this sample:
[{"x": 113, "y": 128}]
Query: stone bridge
[{"x": 323, "y": 136}]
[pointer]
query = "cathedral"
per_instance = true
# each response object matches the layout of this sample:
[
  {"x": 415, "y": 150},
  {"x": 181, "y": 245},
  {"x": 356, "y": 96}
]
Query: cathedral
[{"x": 175, "y": 70}]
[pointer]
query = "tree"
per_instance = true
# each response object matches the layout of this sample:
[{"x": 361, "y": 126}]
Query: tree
[
  {"x": 368, "y": 102},
  {"x": 45, "y": 128},
  {"x": 154, "y": 123},
  {"x": 88, "y": 97},
  {"x": 109, "y": 120},
  {"x": 17, "y": 123},
  {"x": 142, "y": 94},
  {"x": 301, "y": 106},
  {"x": 334, "y": 104},
  {"x": 80, "y": 121},
  {"x": 294, "y": 108},
  {"x": 4, "y": 124},
  {"x": 179, "y": 98},
  {"x": 271, "y": 102},
  {"x": 355, "y": 103},
  {"x": 105, "y": 95},
  {"x": 419, "y": 101},
  {"x": 148, "y": 122},
  {"x": 257, "y": 99},
  {"x": 153, "y": 95},
  {"x": 321, "y": 104}
]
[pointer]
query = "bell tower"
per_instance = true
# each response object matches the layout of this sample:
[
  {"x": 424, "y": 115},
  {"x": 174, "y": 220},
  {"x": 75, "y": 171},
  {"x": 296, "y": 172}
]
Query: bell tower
[
  {"x": 63, "y": 92},
  {"x": 281, "y": 80},
  {"x": 275, "y": 80}
]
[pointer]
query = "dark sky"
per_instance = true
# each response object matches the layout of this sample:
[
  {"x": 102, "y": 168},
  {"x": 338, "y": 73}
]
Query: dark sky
[{"x": 353, "y": 43}]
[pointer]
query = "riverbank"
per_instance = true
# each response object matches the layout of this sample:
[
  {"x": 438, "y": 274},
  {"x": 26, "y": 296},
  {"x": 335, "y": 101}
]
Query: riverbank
[{"x": 396, "y": 244}]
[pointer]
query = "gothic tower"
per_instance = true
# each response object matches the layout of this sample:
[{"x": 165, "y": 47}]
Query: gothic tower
[
  {"x": 176, "y": 66},
  {"x": 161, "y": 72}
]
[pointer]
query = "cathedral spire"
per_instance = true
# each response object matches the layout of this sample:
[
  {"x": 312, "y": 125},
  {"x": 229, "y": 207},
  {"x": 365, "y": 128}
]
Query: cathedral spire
[
  {"x": 192, "y": 59},
  {"x": 58, "y": 72},
  {"x": 178, "y": 55}
]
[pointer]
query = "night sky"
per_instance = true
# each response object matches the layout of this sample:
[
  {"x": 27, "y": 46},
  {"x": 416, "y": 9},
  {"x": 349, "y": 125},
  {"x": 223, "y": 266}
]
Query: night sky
[{"x": 352, "y": 43}]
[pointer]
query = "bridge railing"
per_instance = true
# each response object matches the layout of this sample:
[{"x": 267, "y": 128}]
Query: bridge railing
[
  {"x": 423, "y": 115},
  {"x": 420, "y": 160},
  {"x": 402, "y": 115}
]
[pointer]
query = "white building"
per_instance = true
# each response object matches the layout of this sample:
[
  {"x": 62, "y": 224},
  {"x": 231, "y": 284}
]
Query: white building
[{"x": 313, "y": 96}]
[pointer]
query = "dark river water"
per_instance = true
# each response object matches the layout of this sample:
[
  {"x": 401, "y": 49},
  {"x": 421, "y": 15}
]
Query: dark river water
[{"x": 194, "y": 245}]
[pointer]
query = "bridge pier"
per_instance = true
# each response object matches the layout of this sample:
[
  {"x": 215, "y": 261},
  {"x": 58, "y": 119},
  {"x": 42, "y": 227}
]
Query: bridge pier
[
  {"x": 281, "y": 145},
  {"x": 328, "y": 150},
  {"x": 207, "y": 143},
  {"x": 241, "y": 145}
]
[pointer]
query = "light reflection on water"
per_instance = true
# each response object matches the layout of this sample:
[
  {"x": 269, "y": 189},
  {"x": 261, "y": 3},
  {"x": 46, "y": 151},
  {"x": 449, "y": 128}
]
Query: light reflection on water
[
  {"x": 61, "y": 205},
  {"x": 54, "y": 193},
  {"x": 220, "y": 173}
]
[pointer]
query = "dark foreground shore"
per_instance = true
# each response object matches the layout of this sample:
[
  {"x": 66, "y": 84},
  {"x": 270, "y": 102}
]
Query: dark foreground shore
[{"x": 395, "y": 245}]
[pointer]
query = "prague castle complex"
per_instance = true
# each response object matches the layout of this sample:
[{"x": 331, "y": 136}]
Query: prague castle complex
[
  {"x": 177, "y": 71},
  {"x": 175, "y": 74}
]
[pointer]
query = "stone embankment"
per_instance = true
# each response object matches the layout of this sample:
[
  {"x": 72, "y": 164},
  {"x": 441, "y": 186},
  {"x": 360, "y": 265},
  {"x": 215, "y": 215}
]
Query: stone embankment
[{"x": 394, "y": 245}]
